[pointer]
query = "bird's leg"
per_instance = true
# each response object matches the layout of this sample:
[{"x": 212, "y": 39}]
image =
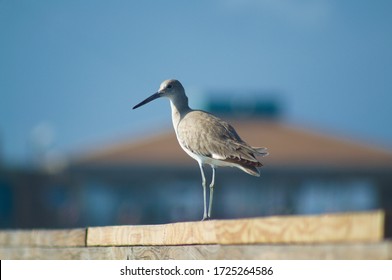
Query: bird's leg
[
  {"x": 211, "y": 191},
  {"x": 204, "y": 191}
]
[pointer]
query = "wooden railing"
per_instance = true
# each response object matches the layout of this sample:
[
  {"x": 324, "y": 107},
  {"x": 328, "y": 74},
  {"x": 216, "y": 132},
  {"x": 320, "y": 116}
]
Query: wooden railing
[{"x": 334, "y": 236}]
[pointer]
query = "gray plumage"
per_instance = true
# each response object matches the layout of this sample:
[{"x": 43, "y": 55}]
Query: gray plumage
[
  {"x": 217, "y": 139},
  {"x": 206, "y": 138}
]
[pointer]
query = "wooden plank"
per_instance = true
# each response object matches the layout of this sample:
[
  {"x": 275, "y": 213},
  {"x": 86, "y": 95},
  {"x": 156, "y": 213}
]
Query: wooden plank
[
  {"x": 341, "y": 251},
  {"x": 332, "y": 228},
  {"x": 43, "y": 238}
]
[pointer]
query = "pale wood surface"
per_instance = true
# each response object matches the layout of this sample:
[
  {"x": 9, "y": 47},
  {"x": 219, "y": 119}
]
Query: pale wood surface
[
  {"x": 332, "y": 228},
  {"x": 334, "y": 236},
  {"x": 43, "y": 238},
  {"x": 366, "y": 251}
]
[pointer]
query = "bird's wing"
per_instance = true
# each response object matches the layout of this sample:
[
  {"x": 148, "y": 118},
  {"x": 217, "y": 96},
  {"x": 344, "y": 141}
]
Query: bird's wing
[{"x": 209, "y": 136}]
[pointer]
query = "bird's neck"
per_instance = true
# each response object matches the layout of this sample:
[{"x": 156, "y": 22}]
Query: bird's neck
[{"x": 179, "y": 108}]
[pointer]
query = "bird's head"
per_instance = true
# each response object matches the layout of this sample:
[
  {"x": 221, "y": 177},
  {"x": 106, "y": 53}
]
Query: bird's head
[{"x": 171, "y": 89}]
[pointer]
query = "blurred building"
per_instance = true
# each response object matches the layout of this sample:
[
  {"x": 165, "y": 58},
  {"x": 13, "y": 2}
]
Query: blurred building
[
  {"x": 153, "y": 181},
  {"x": 307, "y": 172}
]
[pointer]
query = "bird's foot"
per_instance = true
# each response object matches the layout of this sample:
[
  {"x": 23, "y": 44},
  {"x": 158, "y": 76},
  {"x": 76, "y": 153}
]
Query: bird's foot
[{"x": 206, "y": 218}]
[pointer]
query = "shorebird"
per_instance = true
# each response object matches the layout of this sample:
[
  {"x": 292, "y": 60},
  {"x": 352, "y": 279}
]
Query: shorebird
[{"x": 206, "y": 138}]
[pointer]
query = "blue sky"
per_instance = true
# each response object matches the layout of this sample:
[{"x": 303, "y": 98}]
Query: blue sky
[{"x": 70, "y": 71}]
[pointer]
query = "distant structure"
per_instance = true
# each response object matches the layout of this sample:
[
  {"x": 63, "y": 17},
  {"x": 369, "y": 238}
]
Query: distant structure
[
  {"x": 151, "y": 180},
  {"x": 263, "y": 105},
  {"x": 306, "y": 172}
]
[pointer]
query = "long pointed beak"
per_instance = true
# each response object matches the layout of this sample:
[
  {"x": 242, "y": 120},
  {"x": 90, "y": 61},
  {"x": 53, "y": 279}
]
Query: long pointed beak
[{"x": 149, "y": 99}]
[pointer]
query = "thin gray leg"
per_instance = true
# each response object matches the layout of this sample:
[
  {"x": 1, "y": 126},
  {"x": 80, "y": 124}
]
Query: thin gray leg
[
  {"x": 203, "y": 178},
  {"x": 211, "y": 192}
]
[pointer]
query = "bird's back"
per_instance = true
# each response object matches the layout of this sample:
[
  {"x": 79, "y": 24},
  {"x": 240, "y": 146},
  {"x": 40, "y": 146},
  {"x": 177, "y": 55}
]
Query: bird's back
[{"x": 207, "y": 136}]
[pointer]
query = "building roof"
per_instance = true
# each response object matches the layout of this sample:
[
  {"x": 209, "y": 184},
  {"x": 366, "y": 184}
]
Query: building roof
[{"x": 288, "y": 146}]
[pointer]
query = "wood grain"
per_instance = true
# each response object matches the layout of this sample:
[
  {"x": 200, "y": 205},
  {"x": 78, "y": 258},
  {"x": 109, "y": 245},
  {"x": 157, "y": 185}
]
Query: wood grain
[
  {"x": 332, "y": 228},
  {"x": 43, "y": 238},
  {"x": 350, "y": 251},
  {"x": 334, "y": 236}
]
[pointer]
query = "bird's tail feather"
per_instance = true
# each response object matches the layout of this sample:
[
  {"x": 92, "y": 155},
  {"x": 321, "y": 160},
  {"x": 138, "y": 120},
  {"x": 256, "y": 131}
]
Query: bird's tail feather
[
  {"x": 261, "y": 151},
  {"x": 252, "y": 170},
  {"x": 247, "y": 162}
]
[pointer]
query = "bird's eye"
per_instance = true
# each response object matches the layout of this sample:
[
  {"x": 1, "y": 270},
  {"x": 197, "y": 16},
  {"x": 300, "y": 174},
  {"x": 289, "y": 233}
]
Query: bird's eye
[{"x": 169, "y": 86}]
